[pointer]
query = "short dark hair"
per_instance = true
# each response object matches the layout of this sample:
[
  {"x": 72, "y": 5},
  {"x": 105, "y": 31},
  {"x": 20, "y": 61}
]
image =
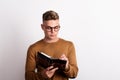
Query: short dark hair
[{"x": 50, "y": 15}]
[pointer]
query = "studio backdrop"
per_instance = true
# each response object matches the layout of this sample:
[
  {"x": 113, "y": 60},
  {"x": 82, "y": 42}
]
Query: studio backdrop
[{"x": 92, "y": 25}]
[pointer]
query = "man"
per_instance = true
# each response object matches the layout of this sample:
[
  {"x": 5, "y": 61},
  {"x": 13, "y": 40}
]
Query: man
[{"x": 53, "y": 46}]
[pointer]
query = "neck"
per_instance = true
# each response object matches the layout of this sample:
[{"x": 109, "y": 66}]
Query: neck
[{"x": 50, "y": 40}]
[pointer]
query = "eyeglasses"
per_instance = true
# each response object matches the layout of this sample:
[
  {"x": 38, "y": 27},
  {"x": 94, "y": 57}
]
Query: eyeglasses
[{"x": 49, "y": 28}]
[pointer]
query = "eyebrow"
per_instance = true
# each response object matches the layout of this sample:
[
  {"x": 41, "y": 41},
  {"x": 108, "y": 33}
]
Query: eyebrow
[{"x": 54, "y": 26}]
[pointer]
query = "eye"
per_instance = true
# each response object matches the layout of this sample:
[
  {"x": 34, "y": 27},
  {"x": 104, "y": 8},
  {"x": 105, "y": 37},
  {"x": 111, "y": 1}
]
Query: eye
[
  {"x": 48, "y": 27},
  {"x": 56, "y": 27}
]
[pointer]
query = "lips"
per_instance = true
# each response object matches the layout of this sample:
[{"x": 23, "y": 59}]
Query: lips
[{"x": 52, "y": 35}]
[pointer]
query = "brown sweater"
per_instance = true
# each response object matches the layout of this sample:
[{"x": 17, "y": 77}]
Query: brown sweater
[{"x": 55, "y": 49}]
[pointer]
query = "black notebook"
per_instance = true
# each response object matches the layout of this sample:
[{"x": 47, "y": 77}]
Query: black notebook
[{"x": 45, "y": 61}]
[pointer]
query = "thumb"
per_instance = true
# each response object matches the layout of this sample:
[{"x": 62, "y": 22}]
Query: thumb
[{"x": 54, "y": 69}]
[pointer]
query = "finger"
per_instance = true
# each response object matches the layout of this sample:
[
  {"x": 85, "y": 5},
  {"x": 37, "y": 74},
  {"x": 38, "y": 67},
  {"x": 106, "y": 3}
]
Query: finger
[
  {"x": 49, "y": 68},
  {"x": 54, "y": 69},
  {"x": 62, "y": 57}
]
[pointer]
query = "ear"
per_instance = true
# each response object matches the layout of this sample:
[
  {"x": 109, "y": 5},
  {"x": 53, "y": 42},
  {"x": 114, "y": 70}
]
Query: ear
[{"x": 42, "y": 27}]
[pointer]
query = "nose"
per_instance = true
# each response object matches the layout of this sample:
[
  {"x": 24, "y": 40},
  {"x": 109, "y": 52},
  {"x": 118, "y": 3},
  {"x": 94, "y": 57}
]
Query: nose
[{"x": 52, "y": 30}]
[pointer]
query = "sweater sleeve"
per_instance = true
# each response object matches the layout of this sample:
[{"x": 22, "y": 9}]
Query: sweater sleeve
[
  {"x": 30, "y": 73},
  {"x": 72, "y": 71}
]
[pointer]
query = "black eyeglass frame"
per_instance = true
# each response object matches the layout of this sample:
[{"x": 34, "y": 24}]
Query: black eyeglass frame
[{"x": 55, "y": 28}]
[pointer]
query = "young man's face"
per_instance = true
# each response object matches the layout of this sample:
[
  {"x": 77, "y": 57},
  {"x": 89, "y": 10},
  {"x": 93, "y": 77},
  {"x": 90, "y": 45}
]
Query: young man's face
[{"x": 51, "y": 28}]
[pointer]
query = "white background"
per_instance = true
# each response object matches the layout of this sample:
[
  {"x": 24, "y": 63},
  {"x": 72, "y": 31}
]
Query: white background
[{"x": 93, "y": 26}]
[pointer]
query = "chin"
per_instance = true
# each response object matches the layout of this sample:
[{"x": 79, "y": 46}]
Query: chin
[{"x": 52, "y": 38}]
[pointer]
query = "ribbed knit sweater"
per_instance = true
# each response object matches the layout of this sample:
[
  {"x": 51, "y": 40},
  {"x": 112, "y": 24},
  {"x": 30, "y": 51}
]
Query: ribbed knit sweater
[{"x": 55, "y": 49}]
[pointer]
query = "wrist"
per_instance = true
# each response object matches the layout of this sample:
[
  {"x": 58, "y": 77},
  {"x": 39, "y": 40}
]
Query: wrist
[
  {"x": 67, "y": 68},
  {"x": 43, "y": 73}
]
